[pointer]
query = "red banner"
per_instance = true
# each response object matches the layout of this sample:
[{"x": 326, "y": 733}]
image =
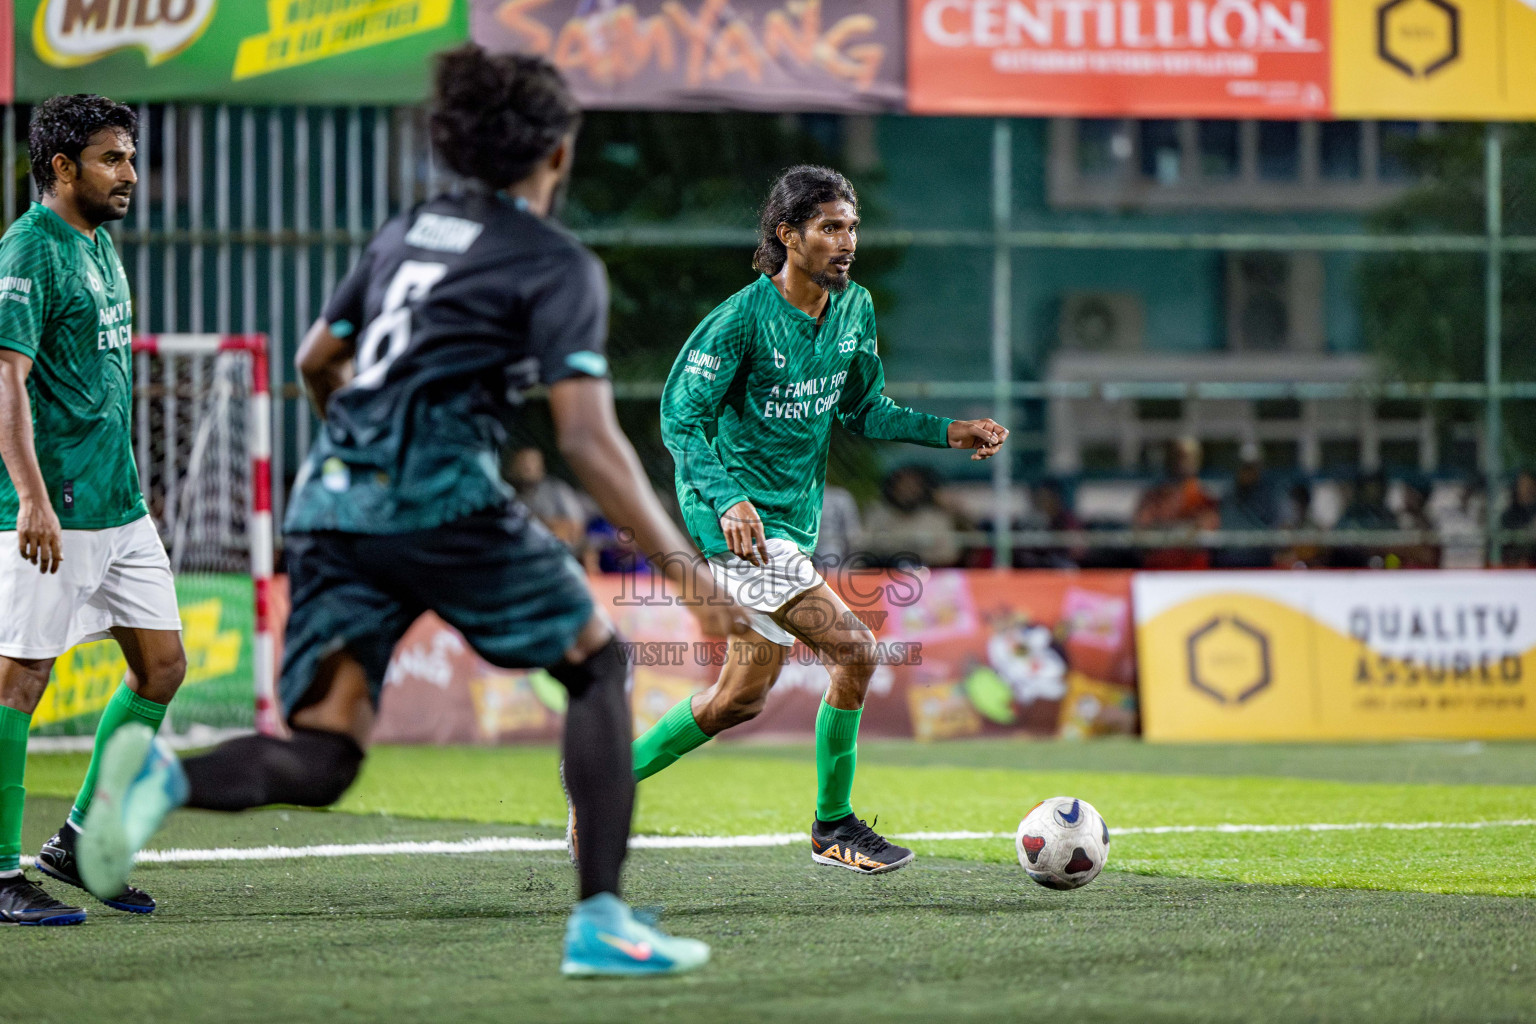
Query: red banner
[
  {"x": 833, "y": 55},
  {"x": 1119, "y": 58},
  {"x": 964, "y": 653}
]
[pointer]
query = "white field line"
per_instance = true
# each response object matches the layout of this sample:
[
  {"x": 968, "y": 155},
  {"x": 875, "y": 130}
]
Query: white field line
[{"x": 521, "y": 844}]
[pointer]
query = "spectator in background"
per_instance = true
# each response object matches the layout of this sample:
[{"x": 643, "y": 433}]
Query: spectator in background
[
  {"x": 908, "y": 520},
  {"x": 840, "y": 529},
  {"x": 1521, "y": 515},
  {"x": 1050, "y": 511},
  {"x": 553, "y": 502},
  {"x": 1178, "y": 502},
  {"x": 1414, "y": 515},
  {"x": 1250, "y": 505},
  {"x": 1367, "y": 510}
]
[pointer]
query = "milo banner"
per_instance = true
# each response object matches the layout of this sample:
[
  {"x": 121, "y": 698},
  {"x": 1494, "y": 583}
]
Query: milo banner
[
  {"x": 962, "y": 654},
  {"x": 1367, "y": 655},
  {"x": 217, "y": 620},
  {"x": 833, "y": 55},
  {"x": 240, "y": 51}
]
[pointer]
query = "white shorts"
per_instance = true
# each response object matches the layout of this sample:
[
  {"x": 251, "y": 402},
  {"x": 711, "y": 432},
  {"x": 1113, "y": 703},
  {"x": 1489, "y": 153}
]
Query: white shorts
[
  {"x": 767, "y": 588},
  {"x": 114, "y": 577}
]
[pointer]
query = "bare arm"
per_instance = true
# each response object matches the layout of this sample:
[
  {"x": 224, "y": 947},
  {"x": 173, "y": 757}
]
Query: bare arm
[
  {"x": 325, "y": 364},
  {"x": 38, "y": 534},
  {"x": 605, "y": 461}
]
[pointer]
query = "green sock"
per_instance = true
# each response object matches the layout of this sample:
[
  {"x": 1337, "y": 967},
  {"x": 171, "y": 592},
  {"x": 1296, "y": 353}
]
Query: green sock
[
  {"x": 13, "y": 794},
  {"x": 124, "y": 707},
  {"x": 837, "y": 754},
  {"x": 673, "y": 735}
]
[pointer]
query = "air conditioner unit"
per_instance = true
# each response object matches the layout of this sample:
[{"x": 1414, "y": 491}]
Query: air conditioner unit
[
  {"x": 1274, "y": 302},
  {"x": 1102, "y": 322}
]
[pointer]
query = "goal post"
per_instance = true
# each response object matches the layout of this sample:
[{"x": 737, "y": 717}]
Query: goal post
[{"x": 202, "y": 438}]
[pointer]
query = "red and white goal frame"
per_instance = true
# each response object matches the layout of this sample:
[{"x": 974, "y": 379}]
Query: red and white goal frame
[{"x": 205, "y": 349}]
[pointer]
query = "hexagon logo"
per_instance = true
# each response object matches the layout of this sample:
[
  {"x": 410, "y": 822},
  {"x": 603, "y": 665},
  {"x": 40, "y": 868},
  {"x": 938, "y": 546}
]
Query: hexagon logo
[
  {"x": 1418, "y": 37},
  {"x": 1229, "y": 660}
]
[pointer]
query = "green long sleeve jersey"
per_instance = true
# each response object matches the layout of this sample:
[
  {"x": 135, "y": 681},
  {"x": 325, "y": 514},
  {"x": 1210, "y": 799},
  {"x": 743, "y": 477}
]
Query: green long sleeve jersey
[{"x": 748, "y": 408}]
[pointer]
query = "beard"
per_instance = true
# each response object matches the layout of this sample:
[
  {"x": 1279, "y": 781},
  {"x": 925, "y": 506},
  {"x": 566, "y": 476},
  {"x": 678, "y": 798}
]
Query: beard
[
  {"x": 98, "y": 209},
  {"x": 833, "y": 279}
]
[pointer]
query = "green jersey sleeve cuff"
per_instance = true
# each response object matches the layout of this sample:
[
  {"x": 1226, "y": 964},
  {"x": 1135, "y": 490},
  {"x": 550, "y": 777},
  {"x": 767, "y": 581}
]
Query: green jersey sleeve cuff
[
  {"x": 722, "y": 507},
  {"x": 30, "y": 351}
]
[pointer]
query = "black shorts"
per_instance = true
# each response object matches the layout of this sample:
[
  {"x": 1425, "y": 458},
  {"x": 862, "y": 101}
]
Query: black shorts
[{"x": 498, "y": 577}]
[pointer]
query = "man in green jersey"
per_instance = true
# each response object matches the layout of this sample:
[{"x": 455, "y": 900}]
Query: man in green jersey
[
  {"x": 80, "y": 559},
  {"x": 766, "y": 373}
]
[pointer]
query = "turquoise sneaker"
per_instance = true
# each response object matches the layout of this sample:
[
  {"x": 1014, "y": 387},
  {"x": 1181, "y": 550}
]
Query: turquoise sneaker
[
  {"x": 140, "y": 782},
  {"x": 604, "y": 938}
]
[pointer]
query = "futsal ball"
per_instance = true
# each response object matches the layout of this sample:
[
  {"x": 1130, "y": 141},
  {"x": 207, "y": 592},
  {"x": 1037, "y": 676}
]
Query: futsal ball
[{"x": 1062, "y": 843}]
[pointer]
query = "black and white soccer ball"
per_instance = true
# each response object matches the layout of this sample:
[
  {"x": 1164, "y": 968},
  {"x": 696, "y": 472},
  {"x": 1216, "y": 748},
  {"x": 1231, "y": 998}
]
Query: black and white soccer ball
[{"x": 1062, "y": 843}]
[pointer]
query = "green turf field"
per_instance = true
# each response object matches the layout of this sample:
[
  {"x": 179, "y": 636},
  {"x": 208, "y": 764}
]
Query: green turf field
[{"x": 1364, "y": 924}]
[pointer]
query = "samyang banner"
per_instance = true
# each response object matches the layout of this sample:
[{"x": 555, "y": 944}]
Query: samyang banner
[
  {"x": 278, "y": 51},
  {"x": 961, "y": 653},
  {"x": 1145, "y": 58},
  {"x": 775, "y": 55},
  {"x": 1336, "y": 656}
]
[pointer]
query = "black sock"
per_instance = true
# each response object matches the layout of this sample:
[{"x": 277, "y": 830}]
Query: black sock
[
  {"x": 598, "y": 772},
  {"x": 312, "y": 769}
]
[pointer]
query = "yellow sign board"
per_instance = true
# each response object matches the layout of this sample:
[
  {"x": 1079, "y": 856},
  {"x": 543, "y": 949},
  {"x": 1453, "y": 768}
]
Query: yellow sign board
[
  {"x": 1450, "y": 59},
  {"x": 1304, "y": 656}
]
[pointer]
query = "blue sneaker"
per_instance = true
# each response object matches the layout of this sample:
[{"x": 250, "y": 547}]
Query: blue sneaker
[
  {"x": 603, "y": 937},
  {"x": 140, "y": 782}
]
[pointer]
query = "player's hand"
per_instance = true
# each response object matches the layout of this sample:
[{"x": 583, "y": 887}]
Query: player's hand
[
  {"x": 744, "y": 533},
  {"x": 984, "y": 437},
  {"x": 39, "y": 535}
]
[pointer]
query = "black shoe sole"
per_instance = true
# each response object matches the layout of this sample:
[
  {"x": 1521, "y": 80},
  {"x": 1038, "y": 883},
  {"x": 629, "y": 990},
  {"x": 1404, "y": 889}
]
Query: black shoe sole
[{"x": 126, "y": 908}]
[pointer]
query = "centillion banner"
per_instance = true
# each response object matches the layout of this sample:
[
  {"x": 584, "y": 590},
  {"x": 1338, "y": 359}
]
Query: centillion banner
[
  {"x": 1336, "y": 656},
  {"x": 1451, "y": 59},
  {"x": 1150, "y": 58}
]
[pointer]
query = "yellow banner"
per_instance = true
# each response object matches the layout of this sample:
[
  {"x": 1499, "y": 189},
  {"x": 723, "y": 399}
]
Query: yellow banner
[
  {"x": 1452, "y": 59},
  {"x": 303, "y": 32},
  {"x": 86, "y": 677},
  {"x": 1253, "y": 656}
]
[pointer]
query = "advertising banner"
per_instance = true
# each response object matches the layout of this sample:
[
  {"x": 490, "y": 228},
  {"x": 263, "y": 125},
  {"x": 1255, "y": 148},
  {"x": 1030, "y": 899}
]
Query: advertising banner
[
  {"x": 832, "y": 55},
  {"x": 1448, "y": 59},
  {"x": 217, "y": 621},
  {"x": 276, "y": 51},
  {"x": 1136, "y": 58},
  {"x": 962, "y": 654},
  {"x": 1349, "y": 655}
]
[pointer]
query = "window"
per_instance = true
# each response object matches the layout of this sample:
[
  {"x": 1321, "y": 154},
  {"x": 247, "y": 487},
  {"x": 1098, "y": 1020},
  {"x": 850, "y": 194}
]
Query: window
[
  {"x": 1102, "y": 147},
  {"x": 1272, "y": 166},
  {"x": 1400, "y": 454},
  {"x": 1220, "y": 155},
  {"x": 1160, "y": 409},
  {"x": 1340, "y": 455},
  {"x": 1160, "y": 155},
  {"x": 1279, "y": 150},
  {"x": 1397, "y": 138},
  {"x": 1339, "y": 150},
  {"x": 1277, "y": 409},
  {"x": 1284, "y": 456}
]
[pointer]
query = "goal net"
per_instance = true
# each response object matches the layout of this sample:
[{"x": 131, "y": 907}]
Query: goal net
[{"x": 202, "y": 438}]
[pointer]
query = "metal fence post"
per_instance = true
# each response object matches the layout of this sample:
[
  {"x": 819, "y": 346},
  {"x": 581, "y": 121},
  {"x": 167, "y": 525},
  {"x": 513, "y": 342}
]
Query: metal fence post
[
  {"x": 1493, "y": 327},
  {"x": 1002, "y": 336}
]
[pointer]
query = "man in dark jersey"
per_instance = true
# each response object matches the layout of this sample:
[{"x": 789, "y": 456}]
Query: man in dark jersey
[{"x": 456, "y": 308}]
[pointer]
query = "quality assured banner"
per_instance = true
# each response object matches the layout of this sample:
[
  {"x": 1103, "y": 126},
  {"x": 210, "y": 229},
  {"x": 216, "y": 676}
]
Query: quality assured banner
[
  {"x": 831, "y": 55},
  {"x": 245, "y": 51},
  {"x": 1452, "y": 59},
  {"x": 1148, "y": 58},
  {"x": 961, "y": 654},
  {"x": 1304, "y": 656}
]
